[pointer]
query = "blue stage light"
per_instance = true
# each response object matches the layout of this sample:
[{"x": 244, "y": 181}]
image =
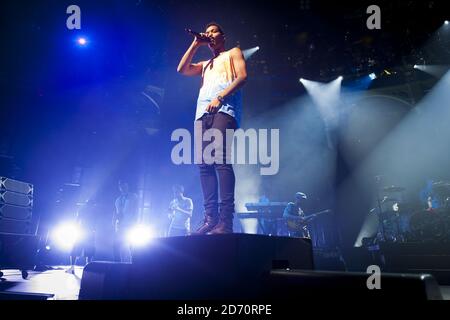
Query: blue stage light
[
  {"x": 372, "y": 76},
  {"x": 82, "y": 41}
]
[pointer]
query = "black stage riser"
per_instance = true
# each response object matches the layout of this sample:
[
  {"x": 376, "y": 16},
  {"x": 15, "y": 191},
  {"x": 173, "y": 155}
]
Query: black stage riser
[
  {"x": 350, "y": 285},
  {"x": 199, "y": 267},
  {"x": 112, "y": 281},
  {"x": 433, "y": 258},
  {"x": 239, "y": 267}
]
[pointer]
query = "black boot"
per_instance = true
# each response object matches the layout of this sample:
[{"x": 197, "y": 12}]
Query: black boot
[
  {"x": 224, "y": 226},
  {"x": 208, "y": 224}
]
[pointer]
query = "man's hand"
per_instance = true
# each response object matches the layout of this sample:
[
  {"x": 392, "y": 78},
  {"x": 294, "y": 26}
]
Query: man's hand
[
  {"x": 214, "y": 106},
  {"x": 204, "y": 40}
]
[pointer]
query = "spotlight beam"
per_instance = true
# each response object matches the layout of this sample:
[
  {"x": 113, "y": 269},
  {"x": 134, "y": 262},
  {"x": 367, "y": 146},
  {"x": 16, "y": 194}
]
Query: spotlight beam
[
  {"x": 249, "y": 52},
  {"x": 435, "y": 70}
]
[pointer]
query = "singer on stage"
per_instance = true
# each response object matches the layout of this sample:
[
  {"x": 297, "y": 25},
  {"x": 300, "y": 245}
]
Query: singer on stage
[{"x": 219, "y": 106}]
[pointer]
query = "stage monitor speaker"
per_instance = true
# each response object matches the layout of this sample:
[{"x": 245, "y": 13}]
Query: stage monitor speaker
[
  {"x": 105, "y": 281},
  {"x": 298, "y": 284},
  {"x": 197, "y": 267},
  {"x": 16, "y": 199},
  {"x": 16, "y": 186},
  {"x": 18, "y": 251},
  {"x": 8, "y": 211}
]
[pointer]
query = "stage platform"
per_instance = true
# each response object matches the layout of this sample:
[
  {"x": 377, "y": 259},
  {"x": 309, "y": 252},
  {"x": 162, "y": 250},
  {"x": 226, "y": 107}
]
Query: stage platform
[
  {"x": 56, "y": 284},
  {"x": 225, "y": 267}
]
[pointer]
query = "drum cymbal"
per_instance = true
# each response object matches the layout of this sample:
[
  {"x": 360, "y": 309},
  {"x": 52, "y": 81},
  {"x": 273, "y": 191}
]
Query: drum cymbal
[
  {"x": 393, "y": 189},
  {"x": 442, "y": 185},
  {"x": 387, "y": 199}
]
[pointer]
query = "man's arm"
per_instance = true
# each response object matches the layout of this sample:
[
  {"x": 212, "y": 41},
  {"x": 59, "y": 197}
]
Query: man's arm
[
  {"x": 238, "y": 82},
  {"x": 188, "y": 211},
  {"x": 186, "y": 67}
]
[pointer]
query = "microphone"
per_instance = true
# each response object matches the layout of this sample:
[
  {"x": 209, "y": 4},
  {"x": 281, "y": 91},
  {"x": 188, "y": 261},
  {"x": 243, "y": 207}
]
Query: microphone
[{"x": 198, "y": 35}]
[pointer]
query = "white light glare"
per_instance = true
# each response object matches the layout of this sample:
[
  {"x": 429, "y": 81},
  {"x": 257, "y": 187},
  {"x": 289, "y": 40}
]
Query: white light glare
[
  {"x": 82, "y": 41},
  {"x": 140, "y": 235},
  {"x": 249, "y": 52},
  {"x": 66, "y": 235}
]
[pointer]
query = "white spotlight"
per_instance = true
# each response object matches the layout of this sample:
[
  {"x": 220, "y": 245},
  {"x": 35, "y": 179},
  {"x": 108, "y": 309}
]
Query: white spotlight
[
  {"x": 446, "y": 22},
  {"x": 372, "y": 76},
  {"x": 66, "y": 235},
  {"x": 340, "y": 78},
  {"x": 415, "y": 66},
  {"x": 140, "y": 235},
  {"x": 326, "y": 96},
  {"x": 301, "y": 80},
  {"x": 249, "y": 52}
]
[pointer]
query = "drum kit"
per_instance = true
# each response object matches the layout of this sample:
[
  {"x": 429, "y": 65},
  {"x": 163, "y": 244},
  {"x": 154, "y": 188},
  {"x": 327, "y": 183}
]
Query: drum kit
[{"x": 402, "y": 221}]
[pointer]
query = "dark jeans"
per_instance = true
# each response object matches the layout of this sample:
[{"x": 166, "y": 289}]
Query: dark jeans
[{"x": 218, "y": 177}]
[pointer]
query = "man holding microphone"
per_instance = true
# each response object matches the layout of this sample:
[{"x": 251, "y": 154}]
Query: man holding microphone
[{"x": 219, "y": 106}]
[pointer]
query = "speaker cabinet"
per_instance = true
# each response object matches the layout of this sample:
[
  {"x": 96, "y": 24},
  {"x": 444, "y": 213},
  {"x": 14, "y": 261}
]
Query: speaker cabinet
[
  {"x": 8, "y": 211},
  {"x": 14, "y": 226},
  {"x": 17, "y": 199},
  {"x": 16, "y": 186}
]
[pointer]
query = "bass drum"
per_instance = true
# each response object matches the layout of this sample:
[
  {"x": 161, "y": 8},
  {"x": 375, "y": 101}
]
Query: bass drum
[{"x": 429, "y": 226}]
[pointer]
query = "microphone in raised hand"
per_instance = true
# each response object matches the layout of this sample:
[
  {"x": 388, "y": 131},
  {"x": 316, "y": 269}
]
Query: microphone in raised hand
[{"x": 199, "y": 36}]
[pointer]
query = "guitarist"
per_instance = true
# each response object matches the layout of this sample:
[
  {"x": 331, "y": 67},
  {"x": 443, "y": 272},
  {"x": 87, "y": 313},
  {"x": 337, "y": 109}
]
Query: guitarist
[{"x": 295, "y": 217}]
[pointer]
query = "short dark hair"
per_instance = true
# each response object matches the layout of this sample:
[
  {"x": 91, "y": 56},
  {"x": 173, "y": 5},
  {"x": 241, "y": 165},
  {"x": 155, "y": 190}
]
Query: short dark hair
[{"x": 213, "y": 23}]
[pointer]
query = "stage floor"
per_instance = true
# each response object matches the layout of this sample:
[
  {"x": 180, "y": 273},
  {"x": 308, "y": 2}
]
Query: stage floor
[{"x": 56, "y": 284}]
